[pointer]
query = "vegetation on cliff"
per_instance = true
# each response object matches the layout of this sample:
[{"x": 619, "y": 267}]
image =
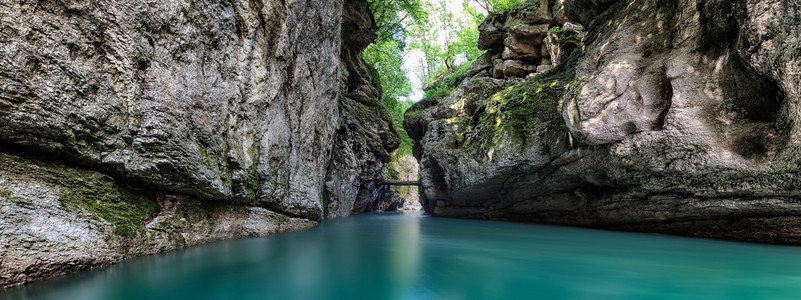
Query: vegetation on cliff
[
  {"x": 518, "y": 108},
  {"x": 90, "y": 192},
  {"x": 444, "y": 35}
]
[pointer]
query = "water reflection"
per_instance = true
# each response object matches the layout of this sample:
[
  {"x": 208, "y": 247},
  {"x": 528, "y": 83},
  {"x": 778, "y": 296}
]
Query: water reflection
[
  {"x": 415, "y": 257},
  {"x": 404, "y": 253}
]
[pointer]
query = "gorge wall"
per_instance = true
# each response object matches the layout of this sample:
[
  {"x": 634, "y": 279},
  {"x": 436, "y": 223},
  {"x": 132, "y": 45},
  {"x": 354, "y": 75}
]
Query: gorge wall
[
  {"x": 673, "y": 116},
  {"x": 134, "y": 127}
]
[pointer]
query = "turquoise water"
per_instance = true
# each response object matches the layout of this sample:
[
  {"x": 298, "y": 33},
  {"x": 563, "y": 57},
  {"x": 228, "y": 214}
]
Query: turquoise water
[{"x": 417, "y": 257}]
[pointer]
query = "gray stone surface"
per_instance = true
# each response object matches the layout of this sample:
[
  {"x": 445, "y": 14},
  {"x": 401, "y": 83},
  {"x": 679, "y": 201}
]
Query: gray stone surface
[
  {"x": 366, "y": 134},
  {"x": 49, "y": 226},
  {"x": 178, "y": 123},
  {"x": 678, "y": 117},
  {"x": 205, "y": 98}
]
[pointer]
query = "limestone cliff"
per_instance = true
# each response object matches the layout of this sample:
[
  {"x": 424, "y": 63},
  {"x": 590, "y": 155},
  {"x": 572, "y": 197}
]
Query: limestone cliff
[
  {"x": 133, "y": 127},
  {"x": 671, "y": 116},
  {"x": 366, "y": 134}
]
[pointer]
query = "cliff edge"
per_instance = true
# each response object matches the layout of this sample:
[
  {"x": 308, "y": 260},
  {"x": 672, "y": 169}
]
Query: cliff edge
[
  {"x": 135, "y": 127},
  {"x": 669, "y": 116}
]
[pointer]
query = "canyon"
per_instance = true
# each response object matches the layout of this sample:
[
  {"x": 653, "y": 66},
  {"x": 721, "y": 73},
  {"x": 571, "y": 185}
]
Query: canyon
[{"x": 130, "y": 128}]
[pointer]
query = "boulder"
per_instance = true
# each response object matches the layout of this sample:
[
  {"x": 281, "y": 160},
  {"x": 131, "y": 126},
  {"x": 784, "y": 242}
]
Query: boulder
[
  {"x": 540, "y": 15},
  {"x": 543, "y": 68},
  {"x": 515, "y": 49},
  {"x": 491, "y": 33},
  {"x": 497, "y": 68},
  {"x": 527, "y": 33},
  {"x": 482, "y": 63},
  {"x": 517, "y": 68}
]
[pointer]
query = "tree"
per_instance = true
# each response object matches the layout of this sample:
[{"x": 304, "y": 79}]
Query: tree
[
  {"x": 498, "y": 5},
  {"x": 386, "y": 56},
  {"x": 392, "y": 17},
  {"x": 447, "y": 39}
]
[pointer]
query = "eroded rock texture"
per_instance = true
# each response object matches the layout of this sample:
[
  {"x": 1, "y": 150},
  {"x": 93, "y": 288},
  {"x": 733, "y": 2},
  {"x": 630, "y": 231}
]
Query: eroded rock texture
[
  {"x": 366, "y": 134},
  {"x": 173, "y": 123},
  {"x": 204, "y": 98},
  {"x": 522, "y": 42},
  {"x": 58, "y": 219},
  {"x": 674, "y": 116}
]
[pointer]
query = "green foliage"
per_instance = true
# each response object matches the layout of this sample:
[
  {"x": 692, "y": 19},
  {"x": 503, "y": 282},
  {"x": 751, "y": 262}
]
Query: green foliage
[
  {"x": 448, "y": 83},
  {"x": 499, "y": 5},
  {"x": 466, "y": 42},
  {"x": 386, "y": 60},
  {"x": 386, "y": 57},
  {"x": 392, "y": 18},
  {"x": 420, "y": 106},
  {"x": 446, "y": 38},
  {"x": 566, "y": 38}
]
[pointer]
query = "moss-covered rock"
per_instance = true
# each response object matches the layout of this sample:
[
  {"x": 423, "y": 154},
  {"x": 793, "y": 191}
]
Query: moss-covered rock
[
  {"x": 59, "y": 219},
  {"x": 675, "y": 116},
  {"x": 99, "y": 194},
  {"x": 93, "y": 192},
  {"x": 366, "y": 136},
  {"x": 519, "y": 108}
]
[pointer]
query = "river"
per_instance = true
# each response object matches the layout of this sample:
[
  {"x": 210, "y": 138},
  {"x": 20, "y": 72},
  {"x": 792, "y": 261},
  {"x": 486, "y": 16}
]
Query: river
[{"x": 397, "y": 256}]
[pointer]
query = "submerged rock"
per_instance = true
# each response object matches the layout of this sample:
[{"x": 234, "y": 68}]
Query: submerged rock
[{"x": 676, "y": 117}]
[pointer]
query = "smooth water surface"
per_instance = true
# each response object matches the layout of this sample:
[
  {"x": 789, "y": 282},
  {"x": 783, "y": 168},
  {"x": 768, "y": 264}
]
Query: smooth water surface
[{"x": 417, "y": 257}]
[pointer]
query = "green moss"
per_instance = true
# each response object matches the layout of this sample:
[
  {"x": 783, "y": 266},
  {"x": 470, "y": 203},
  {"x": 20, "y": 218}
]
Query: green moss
[
  {"x": 516, "y": 110},
  {"x": 417, "y": 108},
  {"x": 514, "y": 6},
  {"x": 98, "y": 194},
  {"x": 373, "y": 76},
  {"x": 410, "y": 113},
  {"x": 85, "y": 190},
  {"x": 253, "y": 184},
  {"x": 447, "y": 83},
  {"x": 204, "y": 154}
]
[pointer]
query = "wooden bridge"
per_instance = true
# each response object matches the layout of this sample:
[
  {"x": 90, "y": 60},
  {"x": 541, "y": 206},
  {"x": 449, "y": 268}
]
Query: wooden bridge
[{"x": 400, "y": 182}]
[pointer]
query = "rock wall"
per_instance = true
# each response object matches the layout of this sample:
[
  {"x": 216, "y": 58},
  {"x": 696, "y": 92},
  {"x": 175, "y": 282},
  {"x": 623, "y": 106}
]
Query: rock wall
[
  {"x": 134, "y": 127},
  {"x": 673, "y": 116},
  {"x": 520, "y": 42},
  {"x": 366, "y": 136},
  {"x": 203, "y": 98},
  {"x": 58, "y": 219}
]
